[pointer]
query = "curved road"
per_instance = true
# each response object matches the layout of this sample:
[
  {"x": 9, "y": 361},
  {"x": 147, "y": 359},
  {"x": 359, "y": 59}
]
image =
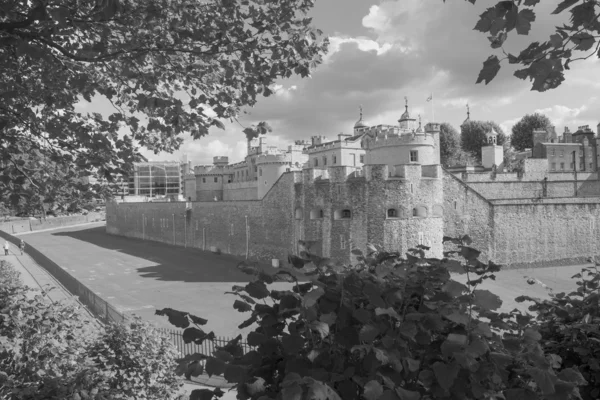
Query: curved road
[{"x": 138, "y": 276}]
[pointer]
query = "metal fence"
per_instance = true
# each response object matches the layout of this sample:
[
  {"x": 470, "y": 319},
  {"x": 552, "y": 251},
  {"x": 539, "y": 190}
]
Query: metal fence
[
  {"x": 207, "y": 347},
  {"x": 104, "y": 311}
]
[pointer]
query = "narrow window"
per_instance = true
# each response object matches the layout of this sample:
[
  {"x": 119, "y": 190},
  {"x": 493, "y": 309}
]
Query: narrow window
[
  {"x": 562, "y": 166},
  {"x": 216, "y": 179},
  {"x": 562, "y": 153},
  {"x": 342, "y": 242},
  {"x": 455, "y": 204},
  {"x": 346, "y": 214},
  {"x": 324, "y": 160},
  {"x": 553, "y": 152},
  {"x": 392, "y": 213},
  {"x": 553, "y": 167},
  {"x": 316, "y": 162},
  {"x": 321, "y": 214},
  {"x": 421, "y": 238},
  {"x": 260, "y": 172},
  {"x": 298, "y": 213},
  {"x": 411, "y": 188},
  {"x": 203, "y": 180},
  {"x": 334, "y": 159},
  {"x": 362, "y": 158},
  {"x": 414, "y": 156},
  {"x": 255, "y": 167}
]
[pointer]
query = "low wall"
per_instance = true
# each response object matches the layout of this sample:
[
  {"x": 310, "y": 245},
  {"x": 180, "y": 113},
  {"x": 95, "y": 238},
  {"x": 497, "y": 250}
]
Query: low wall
[{"x": 28, "y": 225}]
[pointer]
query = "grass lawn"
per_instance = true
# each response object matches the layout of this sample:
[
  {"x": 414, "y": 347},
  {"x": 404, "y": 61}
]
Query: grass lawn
[{"x": 510, "y": 284}]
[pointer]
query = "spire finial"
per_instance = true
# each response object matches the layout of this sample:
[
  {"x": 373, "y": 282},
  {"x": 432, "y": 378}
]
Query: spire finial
[
  {"x": 468, "y": 111},
  {"x": 360, "y": 108},
  {"x": 406, "y": 102}
]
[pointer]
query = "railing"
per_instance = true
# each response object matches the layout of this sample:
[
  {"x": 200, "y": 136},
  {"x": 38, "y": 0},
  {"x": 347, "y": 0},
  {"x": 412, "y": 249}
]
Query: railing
[
  {"x": 206, "y": 348},
  {"x": 96, "y": 305}
]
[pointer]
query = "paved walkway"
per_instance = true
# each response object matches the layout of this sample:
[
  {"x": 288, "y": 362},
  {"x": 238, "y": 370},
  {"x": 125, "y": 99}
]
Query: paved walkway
[
  {"x": 138, "y": 277},
  {"x": 37, "y": 278}
]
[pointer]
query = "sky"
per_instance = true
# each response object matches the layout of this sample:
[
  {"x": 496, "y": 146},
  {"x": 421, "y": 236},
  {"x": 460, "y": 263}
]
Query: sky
[{"x": 382, "y": 51}]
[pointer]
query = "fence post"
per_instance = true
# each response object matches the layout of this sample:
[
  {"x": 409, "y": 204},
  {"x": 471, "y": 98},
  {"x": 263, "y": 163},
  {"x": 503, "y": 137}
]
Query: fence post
[
  {"x": 185, "y": 230},
  {"x": 173, "y": 229}
]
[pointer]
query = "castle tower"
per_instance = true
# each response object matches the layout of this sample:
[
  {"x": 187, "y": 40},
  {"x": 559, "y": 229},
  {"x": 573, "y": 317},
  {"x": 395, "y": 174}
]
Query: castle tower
[
  {"x": 492, "y": 154},
  {"x": 360, "y": 123},
  {"x": 406, "y": 122},
  {"x": 270, "y": 167},
  {"x": 220, "y": 161},
  {"x": 433, "y": 129},
  {"x": 468, "y": 116}
]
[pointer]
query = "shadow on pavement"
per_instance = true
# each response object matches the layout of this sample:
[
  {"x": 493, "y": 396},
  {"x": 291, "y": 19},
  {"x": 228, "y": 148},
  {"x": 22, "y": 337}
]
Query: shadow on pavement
[{"x": 173, "y": 263}]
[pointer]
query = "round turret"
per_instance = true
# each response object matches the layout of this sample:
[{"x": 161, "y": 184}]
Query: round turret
[{"x": 360, "y": 123}]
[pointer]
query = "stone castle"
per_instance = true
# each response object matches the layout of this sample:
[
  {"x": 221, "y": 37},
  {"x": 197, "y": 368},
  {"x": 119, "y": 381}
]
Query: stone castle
[{"x": 381, "y": 184}]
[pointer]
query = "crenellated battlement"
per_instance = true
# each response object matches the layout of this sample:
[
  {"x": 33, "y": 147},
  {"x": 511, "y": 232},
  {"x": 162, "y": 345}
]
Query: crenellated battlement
[
  {"x": 212, "y": 170},
  {"x": 273, "y": 159},
  {"x": 404, "y": 139}
]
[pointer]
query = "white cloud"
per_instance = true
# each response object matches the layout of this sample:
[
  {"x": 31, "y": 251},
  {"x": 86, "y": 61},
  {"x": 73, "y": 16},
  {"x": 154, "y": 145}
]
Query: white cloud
[
  {"x": 559, "y": 115},
  {"x": 363, "y": 44}
]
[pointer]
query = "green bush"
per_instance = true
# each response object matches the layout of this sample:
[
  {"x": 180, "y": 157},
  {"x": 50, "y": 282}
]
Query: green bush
[
  {"x": 136, "y": 361},
  {"x": 48, "y": 352},
  {"x": 387, "y": 328}
]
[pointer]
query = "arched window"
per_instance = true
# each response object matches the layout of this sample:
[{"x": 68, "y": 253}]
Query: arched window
[
  {"x": 346, "y": 214},
  {"x": 420, "y": 211},
  {"x": 298, "y": 213},
  {"x": 316, "y": 213},
  {"x": 392, "y": 213}
]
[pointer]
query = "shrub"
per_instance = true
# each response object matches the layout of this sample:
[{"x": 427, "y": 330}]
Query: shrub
[
  {"x": 570, "y": 328},
  {"x": 135, "y": 360},
  {"x": 387, "y": 328},
  {"x": 41, "y": 349}
]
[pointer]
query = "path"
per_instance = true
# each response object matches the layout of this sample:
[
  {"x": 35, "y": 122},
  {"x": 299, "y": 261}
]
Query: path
[{"x": 139, "y": 276}]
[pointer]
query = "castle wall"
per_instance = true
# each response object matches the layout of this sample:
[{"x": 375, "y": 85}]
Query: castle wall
[
  {"x": 466, "y": 212},
  {"x": 561, "y": 233},
  {"x": 240, "y": 191}
]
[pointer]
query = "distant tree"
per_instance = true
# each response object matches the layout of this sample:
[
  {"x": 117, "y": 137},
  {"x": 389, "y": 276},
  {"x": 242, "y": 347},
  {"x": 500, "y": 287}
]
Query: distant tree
[
  {"x": 522, "y": 131},
  {"x": 449, "y": 142},
  {"x": 461, "y": 157},
  {"x": 473, "y": 136},
  {"x": 544, "y": 63}
]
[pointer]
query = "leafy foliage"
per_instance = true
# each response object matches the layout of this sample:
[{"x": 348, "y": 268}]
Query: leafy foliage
[
  {"x": 473, "y": 136},
  {"x": 136, "y": 360},
  {"x": 449, "y": 142},
  {"x": 386, "y": 328},
  {"x": 168, "y": 68},
  {"x": 569, "y": 325},
  {"x": 47, "y": 351},
  {"x": 522, "y": 131},
  {"x": 543, "y": 63}
]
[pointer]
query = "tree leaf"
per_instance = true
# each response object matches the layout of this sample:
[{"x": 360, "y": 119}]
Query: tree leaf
[
  {"x": 490, "y": 69},
  {"x": 257, "y": 289},
  {"x": 214, "y": 366},
  {"x": 486, "y": 299},
  {"x": 564, "y": 5},
  {"x": 454, "y": 288},
  {"x": 544, "y": 380},
  {"x": 583, "y": 41},
  {"x": 235, "y": 373},
  {"x": 524, "y": 20},
  {"x": 404, "y": 394},
  {"x": 445, "y": 374},
  {"x": 242, "y": 306},
  {"x": 368, "y": 333},
  {"x": 572, "y": 375},
  {"x": 311, "y": 298},
  {"x": 292, "y": 344},
  {"x": 373, "y": 390}
]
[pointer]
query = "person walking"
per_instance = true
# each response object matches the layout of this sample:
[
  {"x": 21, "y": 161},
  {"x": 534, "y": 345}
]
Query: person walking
[
  {"x": 6, "y": 247},
  {"x": 22, "y": 246}
]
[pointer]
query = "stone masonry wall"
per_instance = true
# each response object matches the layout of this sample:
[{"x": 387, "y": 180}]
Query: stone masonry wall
[
  {"x": 541, "y": 233},
  {"x": 466, "y": 212}
]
